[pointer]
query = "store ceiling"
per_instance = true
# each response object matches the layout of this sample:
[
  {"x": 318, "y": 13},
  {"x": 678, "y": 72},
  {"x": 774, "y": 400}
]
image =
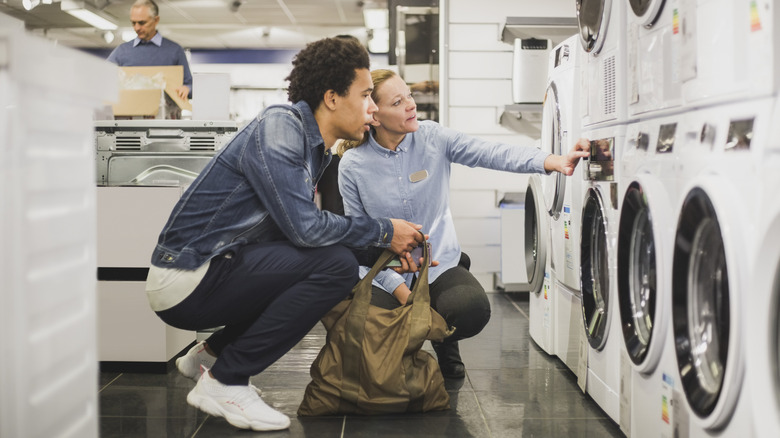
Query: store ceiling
[{"x": 207, "y": 24}]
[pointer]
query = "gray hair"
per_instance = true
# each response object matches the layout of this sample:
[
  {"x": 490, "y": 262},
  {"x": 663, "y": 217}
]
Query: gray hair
[{"x": 153, "y": 9}]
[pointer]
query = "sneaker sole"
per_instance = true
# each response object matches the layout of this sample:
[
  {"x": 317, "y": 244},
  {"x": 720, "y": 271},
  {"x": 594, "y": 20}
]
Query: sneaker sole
[{"x": 211, "y": 407}]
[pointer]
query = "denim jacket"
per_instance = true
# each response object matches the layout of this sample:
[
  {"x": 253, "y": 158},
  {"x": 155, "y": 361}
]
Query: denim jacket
[{"x": 261, "y": 188}]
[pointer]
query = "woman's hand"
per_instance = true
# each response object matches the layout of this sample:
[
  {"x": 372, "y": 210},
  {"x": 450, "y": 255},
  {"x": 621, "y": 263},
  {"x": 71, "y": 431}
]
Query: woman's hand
[
  {"x": 566, "y": 164},
  {"x": 401, "y": 293}
]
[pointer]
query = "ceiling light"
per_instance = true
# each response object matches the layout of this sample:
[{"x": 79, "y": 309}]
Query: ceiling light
[
  {"x": 375, "y": 18},
  {"x": 128, "y": 35},
  {"x": 84, "y": 12},
  {"x": 29, "y": 4},
  {"x": 108, "y": 37}
]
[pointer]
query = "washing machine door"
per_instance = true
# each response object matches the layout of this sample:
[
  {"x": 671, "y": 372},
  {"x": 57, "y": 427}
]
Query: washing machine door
[
  {"x": 700, "y": 300},
  {"x": 637, "y": 273},
  {"x": 552, "y": 139},
  {"x": 593, "y": 19},
  {"x": 537, "y": 234},
  {"x": 594, "y": 270},
  {"x": 647, "y": 11}
]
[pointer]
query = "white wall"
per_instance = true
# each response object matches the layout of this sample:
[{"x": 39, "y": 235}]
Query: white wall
[{"x": 476, "y": 85}]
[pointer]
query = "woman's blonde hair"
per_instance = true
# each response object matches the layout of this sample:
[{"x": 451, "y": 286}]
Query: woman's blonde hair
[{"x": 378, "y": 77}]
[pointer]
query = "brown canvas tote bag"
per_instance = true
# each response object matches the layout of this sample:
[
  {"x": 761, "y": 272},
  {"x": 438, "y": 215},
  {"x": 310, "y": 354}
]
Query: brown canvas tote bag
[{"x": 372, "y": 362}]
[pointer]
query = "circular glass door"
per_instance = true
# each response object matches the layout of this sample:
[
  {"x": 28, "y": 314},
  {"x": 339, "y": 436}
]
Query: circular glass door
[
  {"x": 594, "y": 270},
  {"x": 592, "y": 19},
  {"x": 647, "y": 11},
  {"x": 552, "y": 139},
  {"x": 536, "y": 229},
  {"x": 700, "y": 300},
  {"x": 636, "y": 273}
]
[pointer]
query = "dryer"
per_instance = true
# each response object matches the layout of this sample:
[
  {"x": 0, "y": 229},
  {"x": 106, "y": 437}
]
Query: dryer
[
  {"x": 561, "y": 108},
  {"x": 541, "y": 304},
  {"x": 644, "y": 266},
  {"x": 602, "y": 32},
  {"x": 728, "y": 51},
  {"x": 714, "y": 254},
  {"x": 763, "y": 363},
  {"x": 653, "y": 74},
  {"x": 598, "y": 267}
]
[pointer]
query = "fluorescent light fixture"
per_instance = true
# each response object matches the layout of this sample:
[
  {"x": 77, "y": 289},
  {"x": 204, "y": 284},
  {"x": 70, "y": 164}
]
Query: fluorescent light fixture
[
  {"x": 128, "y": 35},
  {"x": 30, "y": 4},
  {"x": 375, "y": 18},
  {"x": 85, "y": 13}
]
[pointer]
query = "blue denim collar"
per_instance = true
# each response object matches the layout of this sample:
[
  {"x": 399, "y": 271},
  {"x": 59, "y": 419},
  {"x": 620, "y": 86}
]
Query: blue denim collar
[{"x": 310, "y": 126}]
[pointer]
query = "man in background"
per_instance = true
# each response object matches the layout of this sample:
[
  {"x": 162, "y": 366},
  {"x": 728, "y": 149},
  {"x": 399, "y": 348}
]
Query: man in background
[{"x": 149, "y": 48}]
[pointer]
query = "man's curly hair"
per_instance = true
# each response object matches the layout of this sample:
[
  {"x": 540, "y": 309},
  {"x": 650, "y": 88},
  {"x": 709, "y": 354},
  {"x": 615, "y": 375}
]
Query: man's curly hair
[{"x": 327, "y": 64}]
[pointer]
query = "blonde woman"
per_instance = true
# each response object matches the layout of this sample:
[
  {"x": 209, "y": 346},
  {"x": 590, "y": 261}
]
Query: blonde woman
[{"x": 401, "y": 169}]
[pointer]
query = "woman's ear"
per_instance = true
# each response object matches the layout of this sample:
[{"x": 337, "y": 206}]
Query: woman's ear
[{"x": 374, "y": 121}]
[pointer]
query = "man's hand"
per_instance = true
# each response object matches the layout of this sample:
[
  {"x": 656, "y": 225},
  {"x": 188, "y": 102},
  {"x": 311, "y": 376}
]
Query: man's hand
[
  {"x": 409, "y": 265},
  {"x": 406, "y": 236},
  {"x": 183, "y": 91}
]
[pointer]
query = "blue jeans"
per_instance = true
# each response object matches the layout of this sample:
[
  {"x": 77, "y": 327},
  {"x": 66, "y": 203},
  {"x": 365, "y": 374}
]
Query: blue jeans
[{"x": 268, "y": 297}]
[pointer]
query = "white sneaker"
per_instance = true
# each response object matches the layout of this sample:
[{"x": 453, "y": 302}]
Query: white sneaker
[
  {"x": 240, "y": 405},
  {"x": 189, "y": 364}
]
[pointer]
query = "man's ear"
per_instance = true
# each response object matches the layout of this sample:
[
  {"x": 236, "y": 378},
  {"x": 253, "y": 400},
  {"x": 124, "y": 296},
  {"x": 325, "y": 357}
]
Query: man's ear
[{"x": 329, "y": 99}]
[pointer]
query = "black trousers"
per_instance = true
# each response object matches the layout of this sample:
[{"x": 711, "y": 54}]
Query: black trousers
[
  {"x": 268, "y": 297},
  {"x": 457, "y": 296}
]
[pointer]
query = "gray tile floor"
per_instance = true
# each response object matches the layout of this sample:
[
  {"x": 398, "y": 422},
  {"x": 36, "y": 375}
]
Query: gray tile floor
[{"x": 512, "y": 389}]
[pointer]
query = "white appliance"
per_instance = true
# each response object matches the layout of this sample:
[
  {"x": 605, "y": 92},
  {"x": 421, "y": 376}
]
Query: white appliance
[
  {"x": 602, "y": 25},
  {"x": 598, "y": 267},
  {"x": 568, "y": 328},
  {"x": 763, "y": 363},
  {"x": 562, "y": 194},
  {"x": 653, "y": 71},
  {"x": 47, "y": 239},
  {"x": 715, "y": 248},
  {"x": 541, "y": 303},
  {"x": 529, "y": 69},
  {"x": 728, "y": 51},
  {"x": 644, "y": 267}
]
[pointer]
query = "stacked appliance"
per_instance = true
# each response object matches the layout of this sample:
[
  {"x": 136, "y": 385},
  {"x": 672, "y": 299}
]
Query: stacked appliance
[
  {"x": 763, "y": 349},
  {"x": 730, "y": 87},
  {"x": 715, "y": 245},
  {"x": 604, "y": 116},
  {"x": 562, "y": 196},
  {"x": 537, "y": 260},
  {"x": 142, "y": 168},
  {"x": 650, "y": 194}
]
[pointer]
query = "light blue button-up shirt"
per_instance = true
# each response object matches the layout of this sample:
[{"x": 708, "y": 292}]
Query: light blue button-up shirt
[{"x": 376, "y": 182}]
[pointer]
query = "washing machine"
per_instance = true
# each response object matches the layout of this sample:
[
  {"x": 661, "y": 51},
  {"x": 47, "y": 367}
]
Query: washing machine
[
  {"x": 644, "y": 266},
  {"x": 714, "y": 254},
  {"x": 763, "y": 364},
  {"x": 602, "y": 32},
  {"x": 653, "y": 72},
  {"x": 728, "y": 51},
  {"x": 541, "y": 300},
  {"x": 598, "y": 267},
  {"x": 561, "y": 106}
]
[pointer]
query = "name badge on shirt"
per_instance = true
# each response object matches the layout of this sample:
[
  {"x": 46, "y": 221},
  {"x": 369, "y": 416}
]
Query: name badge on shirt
[{"x": 418, "y": 176}]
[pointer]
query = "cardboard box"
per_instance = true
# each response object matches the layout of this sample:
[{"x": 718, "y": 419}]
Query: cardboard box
[{"x": 146, "y": 102}]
